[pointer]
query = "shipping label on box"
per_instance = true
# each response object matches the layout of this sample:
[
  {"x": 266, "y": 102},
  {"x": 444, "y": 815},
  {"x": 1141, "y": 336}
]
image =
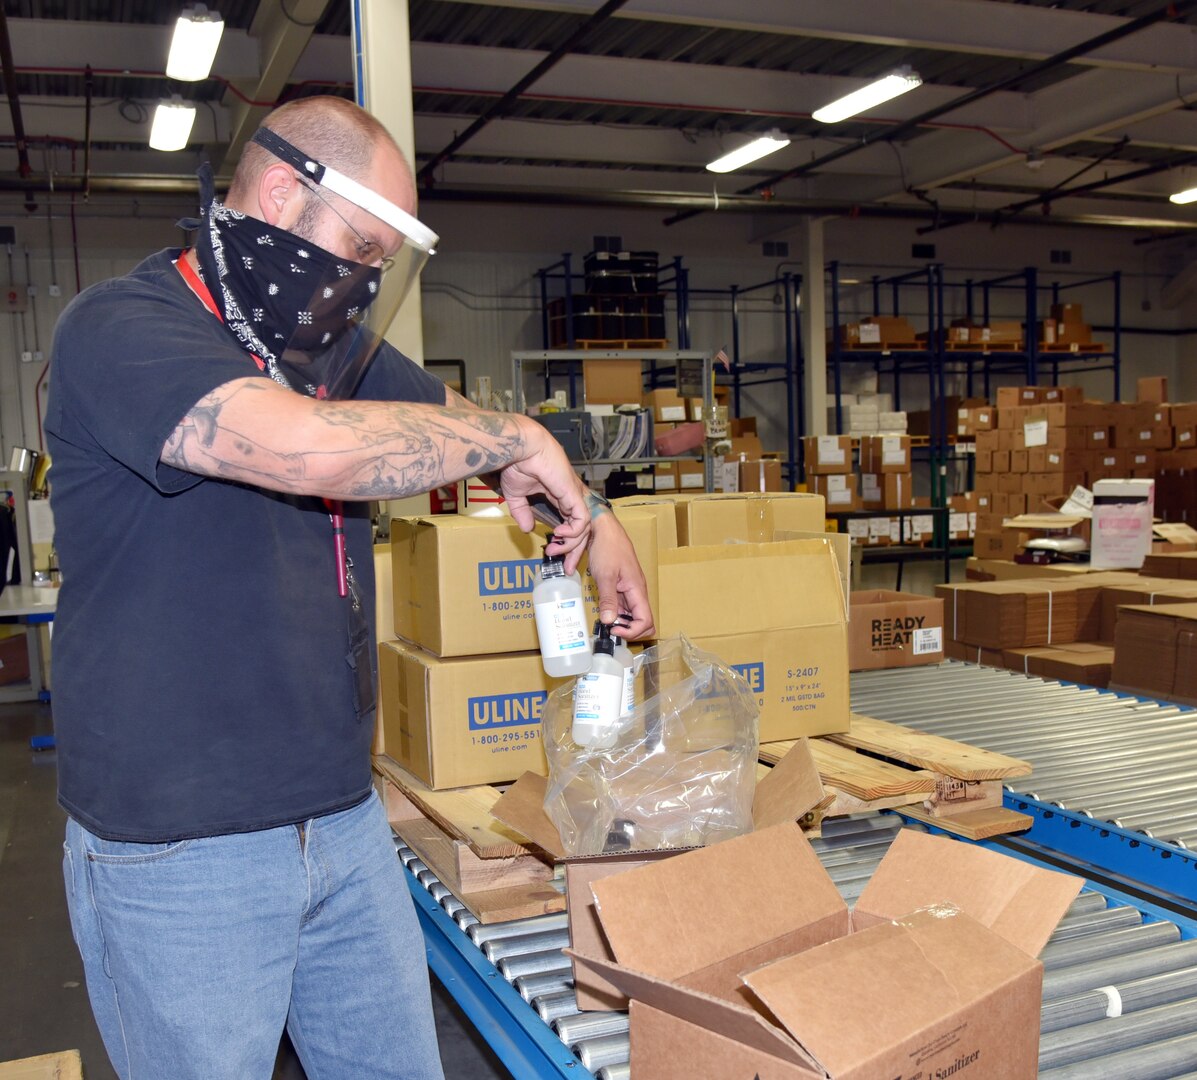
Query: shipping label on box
[{"x": 462, "y": 721}]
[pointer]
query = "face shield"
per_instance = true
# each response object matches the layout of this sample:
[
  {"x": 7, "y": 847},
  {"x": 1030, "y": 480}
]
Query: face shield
[{"x": 351, "y": 303}]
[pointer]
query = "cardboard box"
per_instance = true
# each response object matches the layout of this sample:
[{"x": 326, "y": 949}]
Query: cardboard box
[
  {"x": 838, "y": 489},
  {"x": 463, "y": 721},
  {"x": 827, "y": 454},
  {"x": 1008, "y": 396},
  {"x": 463, "y": 585},
  {"x": 763, "y": 475},
  {"x": 1154, "y": 388},
  {"x": 749, "y": 517},
  {"x": 612, "y": 382},
  {"x": 775, "y": 612},
  {"x": 666, "y": 404},
  {"x": 851, "y": 996},
  {"x": 661, "y": 508},
  {"x": 1086, "y": 663},
  {"x": 885, "y": 453},
  {"x": 898, "y": 491},
  {"x": 691, "y": 476},
  {"x": 1061, "y": 394},
  {"x": 894, "y": 629},
  {"x": 783, "y": 794}
]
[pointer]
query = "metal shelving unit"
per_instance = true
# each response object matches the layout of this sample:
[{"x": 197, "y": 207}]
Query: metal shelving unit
[{"x": 568, "y": 364}]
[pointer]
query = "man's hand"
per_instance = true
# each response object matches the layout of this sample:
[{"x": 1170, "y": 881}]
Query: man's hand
[
  {"x": 616, "y": 571},
  {"x": 546, "y": 470}
]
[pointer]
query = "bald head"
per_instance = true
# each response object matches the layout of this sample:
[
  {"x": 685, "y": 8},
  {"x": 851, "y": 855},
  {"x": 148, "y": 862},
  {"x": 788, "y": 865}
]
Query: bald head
[{"x": 335, "y": 132}]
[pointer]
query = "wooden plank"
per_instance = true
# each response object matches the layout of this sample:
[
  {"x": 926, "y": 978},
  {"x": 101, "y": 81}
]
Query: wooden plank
[
  {"x": 975, "y": 824},
  {"x": 954, "y": 797},
  {"x": 843, "y": 804},
  {"x": 461, "y": 812},
  {"x": 933, "y": 752},
  {"x": 520, "y": 902},
  {"x": 865, "y": 778},
  {"x": 66, "y": 1065}
]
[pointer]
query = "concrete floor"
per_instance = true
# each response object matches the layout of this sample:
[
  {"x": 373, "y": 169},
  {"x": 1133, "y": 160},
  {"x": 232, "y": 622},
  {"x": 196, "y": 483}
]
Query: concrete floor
[{"x": 43, "y": 1001}]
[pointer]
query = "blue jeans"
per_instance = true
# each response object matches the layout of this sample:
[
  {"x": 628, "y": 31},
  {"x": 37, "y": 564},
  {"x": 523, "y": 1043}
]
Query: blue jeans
[{"x": 198, "y": 953}]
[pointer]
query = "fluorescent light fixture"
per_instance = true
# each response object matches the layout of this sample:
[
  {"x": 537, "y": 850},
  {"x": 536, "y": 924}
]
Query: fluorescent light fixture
[
  {"x": 1181, "y": 197},
  {"x": 884, "y": 89},
  {"x": 172, "y": 125},
  {"x": 194, "y": 45},
  {"x": 758, "y": 148}
]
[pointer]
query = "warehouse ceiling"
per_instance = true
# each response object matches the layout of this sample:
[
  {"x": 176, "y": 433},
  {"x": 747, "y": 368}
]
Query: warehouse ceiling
[{"x": 1064, "y": 111}]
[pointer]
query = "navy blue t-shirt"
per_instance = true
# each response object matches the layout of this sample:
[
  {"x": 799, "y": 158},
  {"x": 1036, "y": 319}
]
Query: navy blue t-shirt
[{"x": 201, "y": 684}]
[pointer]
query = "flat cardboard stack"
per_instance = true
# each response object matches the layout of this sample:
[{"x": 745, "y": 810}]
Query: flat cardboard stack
[
  {"x": 1155, "y": 652},
  {"x": 926, "y": 968}
]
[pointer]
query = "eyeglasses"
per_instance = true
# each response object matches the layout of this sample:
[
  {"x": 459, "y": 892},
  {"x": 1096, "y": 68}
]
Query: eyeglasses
[{"x": 368, "y": 252}]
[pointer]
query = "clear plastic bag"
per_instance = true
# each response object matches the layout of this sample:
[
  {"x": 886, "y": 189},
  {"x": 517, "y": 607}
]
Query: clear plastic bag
[{"x": 682, "y": 771}]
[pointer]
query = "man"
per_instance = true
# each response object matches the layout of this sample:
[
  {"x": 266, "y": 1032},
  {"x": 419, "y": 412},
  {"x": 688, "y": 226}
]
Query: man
[{"x": 229, "y": 870}]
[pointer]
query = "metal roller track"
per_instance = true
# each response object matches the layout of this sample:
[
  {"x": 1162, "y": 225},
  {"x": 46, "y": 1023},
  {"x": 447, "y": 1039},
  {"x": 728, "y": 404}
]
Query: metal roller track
[
  {"x": 1122, "y": 764},
  {"x": 1105, "y": 950}
]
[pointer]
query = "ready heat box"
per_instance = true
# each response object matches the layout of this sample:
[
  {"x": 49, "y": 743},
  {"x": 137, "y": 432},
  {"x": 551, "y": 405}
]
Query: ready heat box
[
  {"x": 464, "y": 721},
  {"x": 463, "y": 585},
  {"x": 933, "y": 974},
  {"x": 894, "y": 629}
]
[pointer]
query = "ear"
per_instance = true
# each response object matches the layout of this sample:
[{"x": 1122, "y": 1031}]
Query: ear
[{"x": 280, "y": 196}]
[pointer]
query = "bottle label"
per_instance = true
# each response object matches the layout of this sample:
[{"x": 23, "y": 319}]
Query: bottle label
[
  {"x": 561, "y": 627},
  {"x": 629, "y": 690},
  {"x": 597, "y": 697}
]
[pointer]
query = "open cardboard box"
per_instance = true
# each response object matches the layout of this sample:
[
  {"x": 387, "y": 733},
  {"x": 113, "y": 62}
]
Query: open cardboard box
[
  {"x": 742, "y": 960},
  {"x": 783, "y": 794}
]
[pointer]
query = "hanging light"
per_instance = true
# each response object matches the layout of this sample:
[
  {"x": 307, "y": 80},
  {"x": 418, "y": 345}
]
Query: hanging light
[
  {"x": 194, "y": 44},
  {"x": 884, "y": 89},
  {"x": 172, "y": 124},
  {"x": 752, "y": 151},
  {"x": 1181, "y": 197}
]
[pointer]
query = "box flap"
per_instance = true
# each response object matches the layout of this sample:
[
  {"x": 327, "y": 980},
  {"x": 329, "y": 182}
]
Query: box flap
[
  {"x": 841, "y": 546},
  {"x": 788, "y": 790},
  {"x": 755, "y": 889},
  {"x": 900, "y": 979},
  {"x": 734, "y": 1021},
  {"x": 1020, "y": 902},
  {"x": 522, "y": 807}
]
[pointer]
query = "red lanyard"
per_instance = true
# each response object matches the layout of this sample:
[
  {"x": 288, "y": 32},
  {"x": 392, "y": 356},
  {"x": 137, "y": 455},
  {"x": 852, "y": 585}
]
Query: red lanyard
[{"x": 335, "y": 508}]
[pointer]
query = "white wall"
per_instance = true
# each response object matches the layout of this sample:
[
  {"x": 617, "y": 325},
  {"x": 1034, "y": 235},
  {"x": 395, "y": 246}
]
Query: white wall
[{"x": 481, "y": 299}]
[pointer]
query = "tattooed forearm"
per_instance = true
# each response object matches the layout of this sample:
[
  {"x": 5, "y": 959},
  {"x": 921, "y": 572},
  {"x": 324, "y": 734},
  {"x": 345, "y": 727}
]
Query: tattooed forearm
[{"x": 254, "y": 432}]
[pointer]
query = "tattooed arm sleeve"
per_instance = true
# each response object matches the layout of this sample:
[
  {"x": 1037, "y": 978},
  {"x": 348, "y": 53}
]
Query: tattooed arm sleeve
[{"x": 255, "y": 432}]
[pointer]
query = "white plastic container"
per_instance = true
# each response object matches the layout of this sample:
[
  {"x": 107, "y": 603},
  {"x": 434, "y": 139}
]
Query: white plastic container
[
  {"x": 624, "y": 655},
  {"x": 599, "y": 697},
  {"x": 560, "y": 619}
]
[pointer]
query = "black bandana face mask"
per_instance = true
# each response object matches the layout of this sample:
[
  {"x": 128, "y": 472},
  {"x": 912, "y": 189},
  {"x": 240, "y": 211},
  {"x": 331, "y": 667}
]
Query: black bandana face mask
[{"x": 276, "y": 290}]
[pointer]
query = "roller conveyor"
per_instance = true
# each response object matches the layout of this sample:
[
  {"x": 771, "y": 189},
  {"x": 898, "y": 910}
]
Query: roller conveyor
[
  {"x": 1115, "y": 777},
  {"x": 1120, "y": 985}
]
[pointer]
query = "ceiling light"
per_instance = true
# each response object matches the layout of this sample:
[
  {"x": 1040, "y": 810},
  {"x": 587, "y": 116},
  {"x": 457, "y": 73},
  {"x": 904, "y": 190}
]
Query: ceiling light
[
  {"x": 172, "y": 125},
  {"x": 194, "y": 45},
  {"x": 758, "y": 148},
  {"x": 1187, "y": 196},
  {"x": 885, "y": 88}
]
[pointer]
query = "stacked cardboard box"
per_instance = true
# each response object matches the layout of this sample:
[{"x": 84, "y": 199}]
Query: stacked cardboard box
[
  {"x": 1155, "y": 651},
  {"x": 461, "y": 683}
]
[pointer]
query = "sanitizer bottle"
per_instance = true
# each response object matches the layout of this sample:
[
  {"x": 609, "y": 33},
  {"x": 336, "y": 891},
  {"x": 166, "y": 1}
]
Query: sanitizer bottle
[
  {"x": 627, "y": 661},
  {"x": 560, "y": 618},
  {"x": 599, "y": 696}
]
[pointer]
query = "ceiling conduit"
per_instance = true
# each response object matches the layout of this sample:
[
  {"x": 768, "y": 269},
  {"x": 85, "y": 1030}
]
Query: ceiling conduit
[{"x": 14, "y": 107}]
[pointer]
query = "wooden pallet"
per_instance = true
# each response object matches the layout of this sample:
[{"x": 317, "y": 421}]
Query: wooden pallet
[
  {"x": 66, "y": 1065},
  {"x": 967, "y": 779},
  {"x": 1074, "y": 347},
  {"x": 621, "y": 343},
  {"x": 984, "y": 346},
  {"x": 975, "y": 824},
  {"x": 886, "y": 346}
]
